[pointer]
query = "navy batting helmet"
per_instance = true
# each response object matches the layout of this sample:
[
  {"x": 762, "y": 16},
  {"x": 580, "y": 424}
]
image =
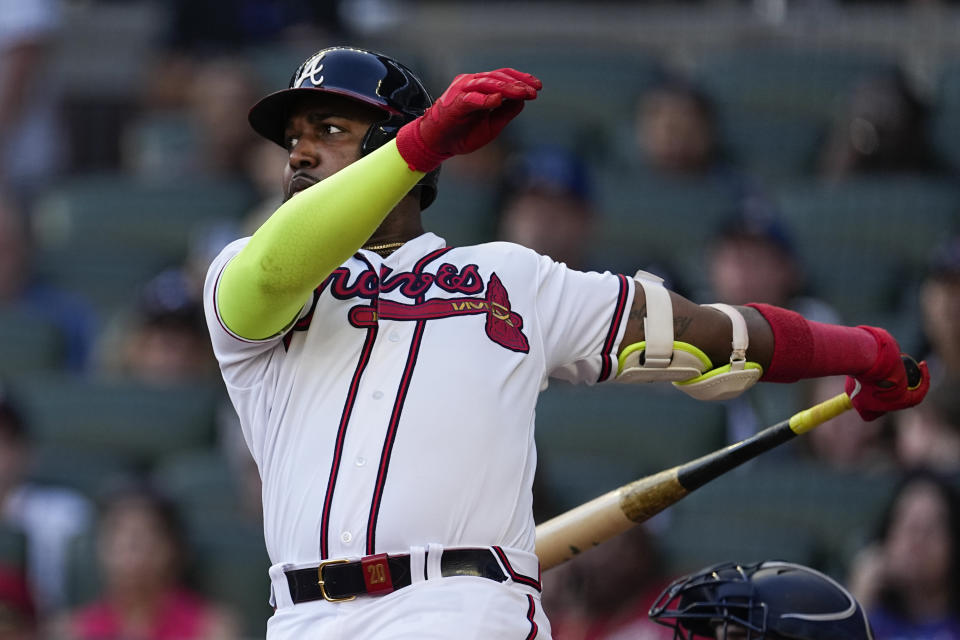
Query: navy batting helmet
[
  {"x": 366, "y": 76},
  {"x": 767, "y": 601}
]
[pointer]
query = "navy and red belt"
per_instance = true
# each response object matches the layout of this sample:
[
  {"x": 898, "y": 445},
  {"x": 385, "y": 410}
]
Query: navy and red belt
[{"x": 341, "y": 580}]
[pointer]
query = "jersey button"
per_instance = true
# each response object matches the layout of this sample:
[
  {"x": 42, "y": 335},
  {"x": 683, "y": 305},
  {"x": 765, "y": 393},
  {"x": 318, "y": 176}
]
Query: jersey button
[
  {"x": 377, "y": 395},
  {"x": 360, "y": 461},
  {"x": 394, "y": 337},
  {"x": 346, "y": 537}
]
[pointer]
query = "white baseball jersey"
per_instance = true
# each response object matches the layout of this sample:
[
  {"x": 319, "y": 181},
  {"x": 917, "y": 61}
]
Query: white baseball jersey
[{"x": 398, "y": 410}]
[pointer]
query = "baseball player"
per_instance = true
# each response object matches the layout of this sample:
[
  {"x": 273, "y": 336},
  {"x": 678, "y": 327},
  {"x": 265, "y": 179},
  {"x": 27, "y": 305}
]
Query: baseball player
[
  {"x": 386, "y": 383},
  {"x": 769, "y": 600}
]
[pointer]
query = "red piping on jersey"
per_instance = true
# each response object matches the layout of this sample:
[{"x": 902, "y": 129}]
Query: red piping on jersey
[
  {"x": 531, "y": 611},
  {"x": 397, "y": 410},
  {"x": 607, "y": 357},
  {"x": 341, "y": 436},
  {"x": 344, "y": 421},
  {"x": 517, "y": 577},
  {"x": 392, "y": 435}
]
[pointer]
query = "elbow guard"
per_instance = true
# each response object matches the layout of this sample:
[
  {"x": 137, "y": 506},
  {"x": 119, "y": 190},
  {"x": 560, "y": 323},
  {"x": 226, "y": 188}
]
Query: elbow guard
[
  {"x": 731, "y": 379},
  {"x": 660, "y": 358}
]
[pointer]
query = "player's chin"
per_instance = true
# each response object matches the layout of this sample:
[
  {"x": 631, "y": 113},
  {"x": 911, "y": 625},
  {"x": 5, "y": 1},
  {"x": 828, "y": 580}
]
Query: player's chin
[
  {"x": 290, "y": 193},
  {"x": 297, "y": 184}
]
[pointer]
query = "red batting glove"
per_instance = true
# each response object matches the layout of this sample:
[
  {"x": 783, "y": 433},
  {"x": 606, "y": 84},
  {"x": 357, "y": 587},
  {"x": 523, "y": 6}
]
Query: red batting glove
[
  {"x": 884, "y": 386},
  {"x": 471, "y": 112}
]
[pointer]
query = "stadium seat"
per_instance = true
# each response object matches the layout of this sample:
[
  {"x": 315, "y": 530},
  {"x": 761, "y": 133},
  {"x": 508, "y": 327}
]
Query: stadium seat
[
  {"x": 591, "y": 440},
  {"x": 864, "y": 241},
  {"x": 85, "y": 470},
  {"x": 104, "y": 211},
  {"x": 161, "y": 145},
  {"x": 28, "y": 343},
  {"x": 128, "y": 419},
  {"x": 946, "y": 120},
  {"x": 790, "y": 82},
  {"x": 772, "y": 147},
  {"x": 464, "y": 213},
  {"x": 198, "y": 479},
  {"x": 586, "y": 91},
  {"x": 107, "y": 277},
  {"x": 829, "y": 511},
  {"x": 13, "y": 547},
  {"x": 774, "y": 102},
  {"x": 231, "y": 568},
  {"x": 691, "y": 542},
  {"x": 83, "y": 573},
  {"x": 651, "y": 219}
]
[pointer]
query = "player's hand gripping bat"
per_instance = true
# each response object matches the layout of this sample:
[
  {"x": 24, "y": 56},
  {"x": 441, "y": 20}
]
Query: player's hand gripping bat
[{"x": 566, "y": 535}]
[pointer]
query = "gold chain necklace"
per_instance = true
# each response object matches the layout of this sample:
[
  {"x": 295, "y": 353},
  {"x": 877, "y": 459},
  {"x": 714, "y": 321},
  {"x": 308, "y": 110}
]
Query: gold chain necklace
[{"x": 389, "y": 247}]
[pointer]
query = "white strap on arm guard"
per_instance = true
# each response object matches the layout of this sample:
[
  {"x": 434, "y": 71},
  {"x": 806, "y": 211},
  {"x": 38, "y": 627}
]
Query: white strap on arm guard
[
  {"x": 731, "y": 379},
  {"x": 659, "y": 357}
]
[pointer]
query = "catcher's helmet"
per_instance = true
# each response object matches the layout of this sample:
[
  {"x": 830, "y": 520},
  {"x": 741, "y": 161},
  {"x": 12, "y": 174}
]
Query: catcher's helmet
[
  {"x": 366, "y": 76},
  {"x": 768, "y": 600}
]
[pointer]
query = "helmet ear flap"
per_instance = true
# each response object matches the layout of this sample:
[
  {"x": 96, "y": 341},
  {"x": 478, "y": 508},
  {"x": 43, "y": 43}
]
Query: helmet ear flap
[
  {"x": 383, "y": 132},
  {"x": 380, "y": 133}
]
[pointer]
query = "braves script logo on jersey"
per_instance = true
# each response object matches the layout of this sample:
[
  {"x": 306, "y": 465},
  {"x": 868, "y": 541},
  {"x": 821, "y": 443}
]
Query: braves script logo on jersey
[
  {"x": 503, "y": 325},
  {"x": 310, "y": 69}
]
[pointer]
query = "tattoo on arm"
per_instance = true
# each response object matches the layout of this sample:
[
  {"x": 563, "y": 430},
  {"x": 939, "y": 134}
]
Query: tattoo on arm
[
  {"x": 639, "y": 314},
  {"x": 680, "y": 323}
]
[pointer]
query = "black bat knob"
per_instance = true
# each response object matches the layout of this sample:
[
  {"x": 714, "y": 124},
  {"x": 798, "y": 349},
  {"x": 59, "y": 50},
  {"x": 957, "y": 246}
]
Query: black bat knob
[{"x": 913, "y": 370}]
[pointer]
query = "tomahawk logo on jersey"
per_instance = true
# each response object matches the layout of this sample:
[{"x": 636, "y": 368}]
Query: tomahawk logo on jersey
[{"x": 503, "y": 326}]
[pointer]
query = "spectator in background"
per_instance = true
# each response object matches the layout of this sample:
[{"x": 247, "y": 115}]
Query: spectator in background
[
  {"x": 205, "y": 137},
  {"x": 881, "y": 130},
  {"x": 606, "y": 592},
  {"x": 31, "y": 145},
  {"x": 678, "y": 147},
  {"x": 164, "y": 341},
  {"x": 929, "y": 435},
  {"x": 18, "y": 616},
  {"x": 940, "y": 308},
  {"x": 226, "y": 139},
  {"x": 198, "y": 30},
  {"x": 142, "y": 556},
  {"x": 676, "y": 130},
  {"x": 261, "y": 169},
  {"x": 846, "y": 442},
  {"x": 677, "y": 134},
  {"x": 50, "y": 517},
  {"x": 908, "y": 579},
  {"x": 547, "y": 205},
  {"x": 21, "y": 288},
  {"x": 751, "y": 257}
]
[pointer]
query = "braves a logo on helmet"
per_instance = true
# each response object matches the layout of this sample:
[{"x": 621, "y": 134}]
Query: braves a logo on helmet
[{"x": 311, "y": 70}]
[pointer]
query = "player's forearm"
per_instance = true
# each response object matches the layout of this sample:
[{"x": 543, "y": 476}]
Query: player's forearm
[
  {"x": 310, "y": 235},
  {"x": 705, "y": 328}
]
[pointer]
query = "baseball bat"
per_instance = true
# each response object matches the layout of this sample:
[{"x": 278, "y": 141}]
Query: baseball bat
[{"x": 566, "y": 535}]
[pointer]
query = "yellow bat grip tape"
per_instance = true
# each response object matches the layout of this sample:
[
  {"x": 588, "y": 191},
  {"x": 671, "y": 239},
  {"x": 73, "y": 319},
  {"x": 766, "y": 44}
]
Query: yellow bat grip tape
[{"x": 818, "y": 414}]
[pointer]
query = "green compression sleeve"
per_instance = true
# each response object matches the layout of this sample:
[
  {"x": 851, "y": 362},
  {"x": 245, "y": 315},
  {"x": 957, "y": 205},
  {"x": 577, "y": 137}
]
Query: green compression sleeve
[{"x": 264, "y": 286}]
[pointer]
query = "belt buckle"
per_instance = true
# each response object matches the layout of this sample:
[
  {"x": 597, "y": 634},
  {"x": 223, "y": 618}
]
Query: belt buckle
[{"x": 323, "y": 589}]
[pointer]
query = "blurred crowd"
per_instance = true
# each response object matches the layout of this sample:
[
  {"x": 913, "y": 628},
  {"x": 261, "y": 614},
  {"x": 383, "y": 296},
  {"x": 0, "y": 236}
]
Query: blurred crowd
[{"x": 840, "y": 205}]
